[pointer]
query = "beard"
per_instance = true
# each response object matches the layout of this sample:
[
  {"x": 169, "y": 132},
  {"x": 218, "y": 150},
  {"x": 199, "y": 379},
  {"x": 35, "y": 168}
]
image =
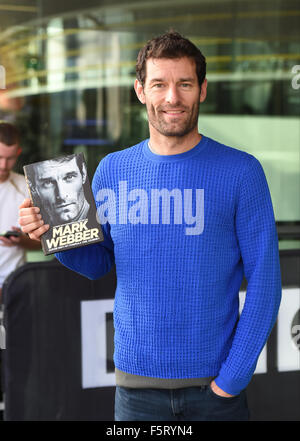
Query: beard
[
  {"x": 4, "y": 175},
  {"x": 177, "y": 127}
]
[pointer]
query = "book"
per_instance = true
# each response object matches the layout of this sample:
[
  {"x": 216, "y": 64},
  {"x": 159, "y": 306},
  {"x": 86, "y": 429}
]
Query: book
[{"x": 60, "y": 187}]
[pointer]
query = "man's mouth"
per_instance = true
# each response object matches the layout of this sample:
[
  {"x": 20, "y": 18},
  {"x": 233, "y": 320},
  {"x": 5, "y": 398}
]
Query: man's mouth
[
  {"x": 63, "y": 205},
  {"x": 173, "y": 112}
]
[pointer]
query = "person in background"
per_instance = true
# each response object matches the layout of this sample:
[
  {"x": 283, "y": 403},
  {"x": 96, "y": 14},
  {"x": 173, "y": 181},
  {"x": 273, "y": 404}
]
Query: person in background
[
  {"x": 182, "y": 351},
  {"x": 13, "y": 189}
]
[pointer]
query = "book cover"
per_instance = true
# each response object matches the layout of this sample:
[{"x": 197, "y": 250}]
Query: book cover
[{"x": 60, "y": 187}]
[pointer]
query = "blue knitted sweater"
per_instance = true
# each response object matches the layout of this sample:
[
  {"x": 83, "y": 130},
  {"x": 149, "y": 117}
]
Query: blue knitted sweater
[{"x": 183, "y": 230}]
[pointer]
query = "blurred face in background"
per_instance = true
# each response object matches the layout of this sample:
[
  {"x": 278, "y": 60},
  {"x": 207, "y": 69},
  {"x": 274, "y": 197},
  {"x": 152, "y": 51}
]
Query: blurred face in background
[{"x": 8, "y": 157}]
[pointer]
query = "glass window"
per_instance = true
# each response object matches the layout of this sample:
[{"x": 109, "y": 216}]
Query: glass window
[{"x": 70, "y": 74}]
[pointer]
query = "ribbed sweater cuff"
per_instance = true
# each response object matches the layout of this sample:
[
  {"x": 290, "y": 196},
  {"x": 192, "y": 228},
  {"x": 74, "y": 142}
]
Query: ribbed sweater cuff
[{"x": 229, "y": 385}]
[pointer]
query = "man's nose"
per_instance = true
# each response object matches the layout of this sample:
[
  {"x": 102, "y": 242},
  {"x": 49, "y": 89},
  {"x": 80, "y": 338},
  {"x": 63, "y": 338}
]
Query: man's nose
[
  {"x": 60, "y": 191},
  {"x": 172, "y": 95},
  {"x": 3, "y": 163}
]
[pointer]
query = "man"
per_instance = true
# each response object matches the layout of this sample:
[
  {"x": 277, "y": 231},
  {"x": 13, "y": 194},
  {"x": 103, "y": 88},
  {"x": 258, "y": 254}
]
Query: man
[
  {"x": 181, "y": 350},
  {"x": 59, "y": 183},
  {"x": 13, "y": 189}
]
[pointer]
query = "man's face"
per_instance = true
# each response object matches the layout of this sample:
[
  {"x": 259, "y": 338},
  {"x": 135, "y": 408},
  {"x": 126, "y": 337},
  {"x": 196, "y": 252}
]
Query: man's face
[
  {"x": 8, "y": 157},
  {"x": 172, "y": 96},
  {"x": 60, "y": 187}
]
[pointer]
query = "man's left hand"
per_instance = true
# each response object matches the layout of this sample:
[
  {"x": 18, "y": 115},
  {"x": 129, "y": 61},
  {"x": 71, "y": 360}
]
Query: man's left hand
[
  {"x": 22, "y": 241},
  {"x": 218, "y": 391},
  {"x": 12, "y": 241}
]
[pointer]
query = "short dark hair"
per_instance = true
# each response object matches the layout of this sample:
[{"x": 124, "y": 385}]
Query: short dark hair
[
  {"x": 9, "y": 134},
  {"x": 170, "y": 45},
  {"x": 60, "y": 159}
]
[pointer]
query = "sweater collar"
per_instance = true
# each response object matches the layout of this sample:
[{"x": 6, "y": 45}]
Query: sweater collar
[{"x": 149, "y": 154}]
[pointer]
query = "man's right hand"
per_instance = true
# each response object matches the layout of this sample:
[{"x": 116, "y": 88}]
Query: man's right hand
[{"x": 31, "y": 221}]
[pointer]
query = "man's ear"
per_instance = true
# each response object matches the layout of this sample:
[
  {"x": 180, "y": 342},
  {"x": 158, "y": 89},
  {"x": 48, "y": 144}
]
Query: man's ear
[
  {"x": 34, "y": 191},
  {"x": 84, "y": 173},
  {"x": 139, "y": 90},
  {"x": 203, "y": 90}
]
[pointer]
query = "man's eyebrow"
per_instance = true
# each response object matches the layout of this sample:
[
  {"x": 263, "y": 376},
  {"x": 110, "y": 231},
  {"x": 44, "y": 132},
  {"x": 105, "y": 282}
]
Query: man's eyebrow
[
  {"x": 156, "y": 80},
  {"x": 45, "y": 178},
  {"x": 187, "y": 80},
  {"x": 73, "y": 172},
  {"x": 181, "y": 80}
]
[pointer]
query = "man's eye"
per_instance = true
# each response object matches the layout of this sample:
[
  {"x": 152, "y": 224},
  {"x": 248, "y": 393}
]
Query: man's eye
[
  {"x": 185, "y": 85},
  {"x": 69, "y": 177},
  {"x": 158, "y": 85},
  {"x": 11, "y": 158},
  {"x": 47, "y": 184}
]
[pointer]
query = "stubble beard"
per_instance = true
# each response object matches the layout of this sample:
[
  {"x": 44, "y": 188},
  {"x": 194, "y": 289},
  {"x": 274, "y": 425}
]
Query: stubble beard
[
  {"x": 176, "y": 128},
  {"x": 4, "y": 174}
]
